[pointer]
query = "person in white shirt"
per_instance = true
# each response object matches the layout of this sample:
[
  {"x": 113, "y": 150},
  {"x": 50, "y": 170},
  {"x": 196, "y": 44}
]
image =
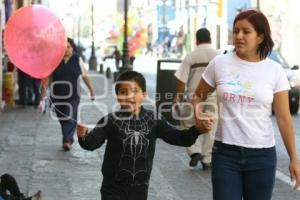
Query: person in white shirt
[
  {"x": 188, "y": 76},
  {"x": 247, "y": 84}
]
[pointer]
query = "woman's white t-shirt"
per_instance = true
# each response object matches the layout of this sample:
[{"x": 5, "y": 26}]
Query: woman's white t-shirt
[{"x": 245, "y": 93}]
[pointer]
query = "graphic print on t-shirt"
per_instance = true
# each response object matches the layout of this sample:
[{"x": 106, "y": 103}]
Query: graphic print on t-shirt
[
  {"x": 240, "y": 92},
  {"x": 133, "y": 161}
]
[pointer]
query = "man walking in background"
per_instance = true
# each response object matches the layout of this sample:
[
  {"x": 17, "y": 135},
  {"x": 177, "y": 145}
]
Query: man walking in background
[{"x": 188, "y": 76}]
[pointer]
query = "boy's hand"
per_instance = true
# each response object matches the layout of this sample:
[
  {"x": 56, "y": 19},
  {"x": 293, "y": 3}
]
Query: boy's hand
[
  {"x": 81, "y": 130},
  {"x": 204, "y": 123}
]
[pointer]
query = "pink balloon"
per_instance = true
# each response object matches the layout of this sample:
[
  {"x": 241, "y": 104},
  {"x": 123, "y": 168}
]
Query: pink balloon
[{"x": 35, "y": 40}]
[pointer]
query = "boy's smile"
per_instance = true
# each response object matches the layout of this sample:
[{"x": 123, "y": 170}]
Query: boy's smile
[{"x": 130, "y": 96}]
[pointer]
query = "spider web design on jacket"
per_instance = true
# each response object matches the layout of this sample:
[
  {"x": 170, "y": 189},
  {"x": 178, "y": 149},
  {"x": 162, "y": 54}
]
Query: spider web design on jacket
[{"x": 135, "y": 132}]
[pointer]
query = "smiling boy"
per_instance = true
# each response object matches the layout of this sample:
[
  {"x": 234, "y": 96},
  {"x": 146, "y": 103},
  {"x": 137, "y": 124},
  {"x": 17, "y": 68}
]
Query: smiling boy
[{"x": 130, "y": 134}]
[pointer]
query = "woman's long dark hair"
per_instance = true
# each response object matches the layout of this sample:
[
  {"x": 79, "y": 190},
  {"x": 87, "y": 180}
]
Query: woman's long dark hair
[{"x": 72, "y": 43}]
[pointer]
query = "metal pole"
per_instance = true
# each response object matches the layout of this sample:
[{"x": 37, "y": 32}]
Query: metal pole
[
  {"x": 258, "y": 4},
  {"x": 188, "y": 39},
  {"x": 78, "y": 30},
  {"x": 93, "y": 59},
  {"x": 126, "y": 62},
  {"x": 164, "y": 13},
  {"x": 125, "y": 58}
]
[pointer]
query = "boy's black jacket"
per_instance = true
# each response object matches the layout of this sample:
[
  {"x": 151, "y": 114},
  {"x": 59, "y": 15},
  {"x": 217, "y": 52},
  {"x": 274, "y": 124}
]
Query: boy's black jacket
[{"x": 130, "y": 144}]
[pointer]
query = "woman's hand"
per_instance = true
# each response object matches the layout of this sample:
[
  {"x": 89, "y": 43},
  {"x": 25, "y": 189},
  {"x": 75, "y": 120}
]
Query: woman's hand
[
  {"x": 93, "y": 95},
  {"x": 204, "y": 122},
  {"x": 295, "y": 173},
  {"x": 88, "y": 83},
  {"x": 81, "y": 130}
]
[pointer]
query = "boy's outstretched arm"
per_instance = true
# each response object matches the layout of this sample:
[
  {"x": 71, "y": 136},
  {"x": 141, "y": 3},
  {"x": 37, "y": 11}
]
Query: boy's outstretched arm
[
  {"x": 91, "y": 140},
  {"x": 186, "y": 138}
]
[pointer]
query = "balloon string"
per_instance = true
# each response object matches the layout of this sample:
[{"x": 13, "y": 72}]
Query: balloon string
[
  {"x": 60, "y": 112},
  {"x": 53, "y": 104}
]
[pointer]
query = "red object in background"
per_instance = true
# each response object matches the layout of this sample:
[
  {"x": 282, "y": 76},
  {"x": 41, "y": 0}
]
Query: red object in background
[{"x": 35, "y": 40}]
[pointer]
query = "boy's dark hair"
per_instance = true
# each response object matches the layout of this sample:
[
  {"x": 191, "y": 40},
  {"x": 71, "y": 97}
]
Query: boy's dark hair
[
  {"x": 203, "y": 36},
  {"x": 137, "y": 77},
  {"x": 261, "y": 26}
]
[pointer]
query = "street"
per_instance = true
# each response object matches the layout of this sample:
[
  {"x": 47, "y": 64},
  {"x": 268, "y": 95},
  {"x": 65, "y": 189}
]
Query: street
[{"x": 30, "y": 149}]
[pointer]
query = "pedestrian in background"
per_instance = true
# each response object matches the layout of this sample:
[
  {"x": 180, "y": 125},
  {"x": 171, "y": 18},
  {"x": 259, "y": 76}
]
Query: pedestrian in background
[
  {"x": 28, "y": 89},
  {"x": 117, "y": 57},
  {"x": 188, "y": 76},
  {"x": 149, "y": 40},
  {"x": 131, "y": 135},
  {"x": 35, "y": 91},
  {"x": 23, "y": 87},
  {"x": 248, "y": 83},
  {"x": 65, "y": 94},
  {"x": 180, "y": 41}
]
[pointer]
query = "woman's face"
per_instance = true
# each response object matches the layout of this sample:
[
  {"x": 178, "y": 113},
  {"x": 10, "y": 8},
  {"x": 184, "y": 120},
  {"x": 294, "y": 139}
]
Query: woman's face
[
  {"x": 69, "y": 50},
  {"x": 245, "y": 39}
]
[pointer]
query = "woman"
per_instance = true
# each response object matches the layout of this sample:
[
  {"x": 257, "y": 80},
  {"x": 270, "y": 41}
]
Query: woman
[
  {"x": 247, "y": 84},
  {"x": 64, "y": 92}
]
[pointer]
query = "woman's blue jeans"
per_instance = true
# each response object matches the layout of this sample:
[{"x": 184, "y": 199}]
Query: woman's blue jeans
[
  {"x": 66, "y": 112},
  {"x": 242, "y": 173}
]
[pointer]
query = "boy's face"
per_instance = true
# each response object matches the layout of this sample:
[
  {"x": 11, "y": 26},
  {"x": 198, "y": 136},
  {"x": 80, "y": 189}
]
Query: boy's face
[{"x": 130, "y": 96}]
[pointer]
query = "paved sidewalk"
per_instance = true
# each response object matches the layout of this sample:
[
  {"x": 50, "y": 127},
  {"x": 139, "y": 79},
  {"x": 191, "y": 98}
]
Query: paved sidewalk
[{"x": 30, "y": 149}]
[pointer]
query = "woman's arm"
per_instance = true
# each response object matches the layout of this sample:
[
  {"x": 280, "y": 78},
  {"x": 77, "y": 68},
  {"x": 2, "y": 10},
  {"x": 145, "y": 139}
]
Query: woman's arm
[
  {"x": 203, "y": 90},
  {"x": 201, "y": 93},
  {"x": 87, "y": 79},
  {"x": 88, "y": 83},
  {"x": 284, "y": 121},
  {"x": 180, "y": 86}
]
